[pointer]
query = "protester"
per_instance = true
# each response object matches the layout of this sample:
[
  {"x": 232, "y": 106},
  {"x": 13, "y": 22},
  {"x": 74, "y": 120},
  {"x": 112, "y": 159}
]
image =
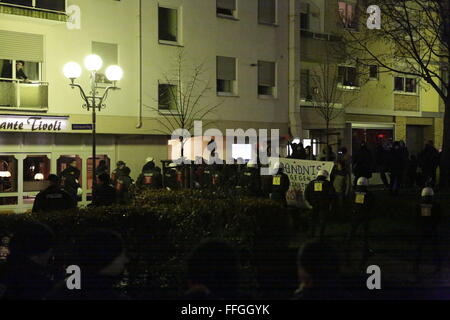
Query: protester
[
  {"x": 26, "y": 275},
  {"x": 428, "y": 162},
  {"x": 101, "y": 257},
  {"x": 318, "y": 272},
  {"x": 362, "y": 163},
  {"x": 53, "y": 198},
  {"x": 341, "y": 180},
  {"x": 382, "y": 162},
  {"x": 396, "y": 168}
]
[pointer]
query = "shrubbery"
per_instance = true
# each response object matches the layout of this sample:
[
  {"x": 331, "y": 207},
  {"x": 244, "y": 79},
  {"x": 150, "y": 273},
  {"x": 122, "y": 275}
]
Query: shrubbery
[{"x": 162, "y": 227}]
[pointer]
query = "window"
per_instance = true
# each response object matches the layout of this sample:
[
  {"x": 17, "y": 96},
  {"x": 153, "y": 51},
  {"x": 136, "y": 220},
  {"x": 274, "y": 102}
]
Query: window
[
  {"x": 373, "y": 72},
  {"x": 348, "y": 15},
  {"x": 167, "y": 96},
  {"x": 226, "y": 8},
  {"x": 35, "y": 172},
  {"x": 267, "y": 10},
  {"x": 304, "y": 84},
  {"x": 168, "y": 24},
  {"x": 266, "y": 78},
  {"x": 404, "y": 84},
  {"x": 226, "y": 75},
  {"x": 304, "y": 16},
  {"x": 347, "y": 76},
  {"x": 109, "y": 54},
  {"x": 56, "y": 5}
]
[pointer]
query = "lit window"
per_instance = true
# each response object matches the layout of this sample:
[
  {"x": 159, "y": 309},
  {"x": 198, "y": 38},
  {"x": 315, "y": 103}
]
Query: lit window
[
  {"x": 168, "y": 24},
  {"x": 348, "y": 16},
  {"x": 266, "y": 78},
  {"x": 226, "y": 75},
  {"x": 35, "y": 173}
]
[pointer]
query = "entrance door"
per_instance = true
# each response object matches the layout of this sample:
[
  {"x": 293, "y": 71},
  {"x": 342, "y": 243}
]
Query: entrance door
[{"x": 415, "y": 139}]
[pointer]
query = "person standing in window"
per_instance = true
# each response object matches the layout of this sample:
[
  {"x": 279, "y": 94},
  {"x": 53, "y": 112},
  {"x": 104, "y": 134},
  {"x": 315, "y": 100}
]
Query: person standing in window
[{"x": 20, "y": 73}]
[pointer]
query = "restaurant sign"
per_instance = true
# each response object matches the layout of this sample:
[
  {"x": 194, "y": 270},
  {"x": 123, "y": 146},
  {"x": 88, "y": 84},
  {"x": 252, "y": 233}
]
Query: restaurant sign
[{"x": 33, "y": 123}]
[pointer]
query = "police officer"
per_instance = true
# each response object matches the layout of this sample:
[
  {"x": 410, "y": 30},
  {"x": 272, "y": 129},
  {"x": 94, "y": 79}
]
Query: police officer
[
  {"x": 362, "y": 205},
  {"x": 170, "y": 176},
  {"x": 280, "y": 184},
  {"x": 320, "y": 195},
  {"x": 249, "y": 181},
  {"x": 150, "y": 177},
  {"x": 123, "y": 186},
  {"x": 118, "y": 171},
  {"x": 69, "y": 180},
  {"x": 429, "y": 214},
  {"x": 105, "y": 194},
  {"x": 53, "y": 198}
]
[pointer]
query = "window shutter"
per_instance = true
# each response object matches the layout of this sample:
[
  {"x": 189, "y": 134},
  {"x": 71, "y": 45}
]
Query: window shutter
[
  {"x": 266, "y": 73},
  {"x": 21, "y": 46},
  {"x": 266, "y": 11},
  {"x": 226, "y": 4},
  {"x": 108, "y": 53},
  {"x": 226, "y": 68}
]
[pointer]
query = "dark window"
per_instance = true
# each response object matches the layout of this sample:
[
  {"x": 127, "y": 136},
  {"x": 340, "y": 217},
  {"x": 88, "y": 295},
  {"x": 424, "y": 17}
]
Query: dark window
[
  {"x": 226, "y": 7},
  {"x": 399, "y": 84},
  {"x": 168, "y": 24},
  {"x": 347, "y": 76},
  {"x": 267, "y": 11},
  {"x": 410, "y": 85},
  {"x": 56, "y": 5},
  {"x": 167, "y": 94},
  {"x": 373, "y": 72},
  {"x": 27, "y": 3}
]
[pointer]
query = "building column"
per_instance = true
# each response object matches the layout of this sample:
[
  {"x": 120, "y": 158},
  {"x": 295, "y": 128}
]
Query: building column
[
  {"x": 400, "y": 128},
  {"x": 438, "y": 130}
]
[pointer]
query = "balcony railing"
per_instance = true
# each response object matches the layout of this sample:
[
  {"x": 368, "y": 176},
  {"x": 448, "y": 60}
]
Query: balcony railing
[
  {"x": 43, "y": 9},
  {"x": 17, "y": 94}
]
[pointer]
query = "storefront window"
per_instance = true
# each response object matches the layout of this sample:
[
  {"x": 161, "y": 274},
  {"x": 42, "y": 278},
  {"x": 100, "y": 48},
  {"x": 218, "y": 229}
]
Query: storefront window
[
  {"x": 65, "y": 161},
  {"x": 35, "y": 173},
  {"x": 8, "y": 174},
  {"x": 102, "y": 165}
]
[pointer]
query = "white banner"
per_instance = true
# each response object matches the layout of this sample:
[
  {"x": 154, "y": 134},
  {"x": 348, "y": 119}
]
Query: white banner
[{"x": 300, "y": 173}]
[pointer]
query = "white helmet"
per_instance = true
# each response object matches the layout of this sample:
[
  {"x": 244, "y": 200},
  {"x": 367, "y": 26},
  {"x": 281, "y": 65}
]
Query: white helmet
[
  {"x": 362, "y": 181},
  {"x": 322, "y": 173},
  {"x": 251, "y": 164},
  {"x": 149, "y": 159},
  {"x": 427, "y": 192}
]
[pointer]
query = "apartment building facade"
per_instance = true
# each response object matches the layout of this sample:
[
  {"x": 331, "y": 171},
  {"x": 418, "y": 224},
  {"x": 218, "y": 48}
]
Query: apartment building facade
[
  {"x": 242, "y": 46},
  {"x": 378, "y": 105}
]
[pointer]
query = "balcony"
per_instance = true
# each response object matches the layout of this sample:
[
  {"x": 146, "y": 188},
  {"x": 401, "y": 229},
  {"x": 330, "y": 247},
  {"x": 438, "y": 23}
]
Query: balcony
[
  {"x": 18, "y": 95},
  {"x": 50, "y": 10}
]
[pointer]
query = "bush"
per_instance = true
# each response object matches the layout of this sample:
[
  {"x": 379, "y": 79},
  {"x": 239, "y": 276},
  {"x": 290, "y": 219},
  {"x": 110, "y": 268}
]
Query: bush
[{"x": 162, "y": 227}]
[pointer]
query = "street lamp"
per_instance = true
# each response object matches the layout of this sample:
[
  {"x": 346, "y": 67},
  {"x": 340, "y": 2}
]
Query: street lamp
[{"x": 93, "y": 63}]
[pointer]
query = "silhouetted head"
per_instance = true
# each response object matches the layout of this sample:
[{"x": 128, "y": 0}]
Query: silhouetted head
[
  {"x": 318, "y": 264},
  {"x": 101, "y": 252},
  {"x": 214, "y": 264},
  {"x": 32, "y": 240},
  {"x": 53, "y": 179}
]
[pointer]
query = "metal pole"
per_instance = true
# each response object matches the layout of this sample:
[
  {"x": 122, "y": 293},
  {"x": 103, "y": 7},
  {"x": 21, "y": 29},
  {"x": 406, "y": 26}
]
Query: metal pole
[{"x": 94, "y": 122}]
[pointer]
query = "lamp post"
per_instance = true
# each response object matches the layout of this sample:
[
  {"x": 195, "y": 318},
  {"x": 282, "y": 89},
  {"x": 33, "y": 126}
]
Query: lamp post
[{"x": 93, "y": 101}]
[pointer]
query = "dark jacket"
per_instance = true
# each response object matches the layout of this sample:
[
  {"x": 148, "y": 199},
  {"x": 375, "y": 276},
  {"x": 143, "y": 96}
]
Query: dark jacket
[
  {"x": 320, "y": 193},
  {"x": 280, "y": 185},
  {"x": 362, "y": 163},
  {"x": 53, "y": 199},
  {"x": 123, "y": 186},
  {"x": 149, "y": 178},
  {"x": 250, "y": 182},
  {"x": 24, "y": 279},
  {"x": 104, "y": 195},
  {"x": 362, "y": 201}
]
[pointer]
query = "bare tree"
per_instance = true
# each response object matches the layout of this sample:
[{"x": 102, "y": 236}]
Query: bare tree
[
  {"x": 181, "y": 100},
  {"x": 328, "y": 96},
  {"x": 414, "y": 40}
]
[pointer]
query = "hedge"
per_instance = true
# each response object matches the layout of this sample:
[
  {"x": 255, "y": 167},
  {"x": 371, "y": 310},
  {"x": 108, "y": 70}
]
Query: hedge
[{"x": 162, "y": 227}]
